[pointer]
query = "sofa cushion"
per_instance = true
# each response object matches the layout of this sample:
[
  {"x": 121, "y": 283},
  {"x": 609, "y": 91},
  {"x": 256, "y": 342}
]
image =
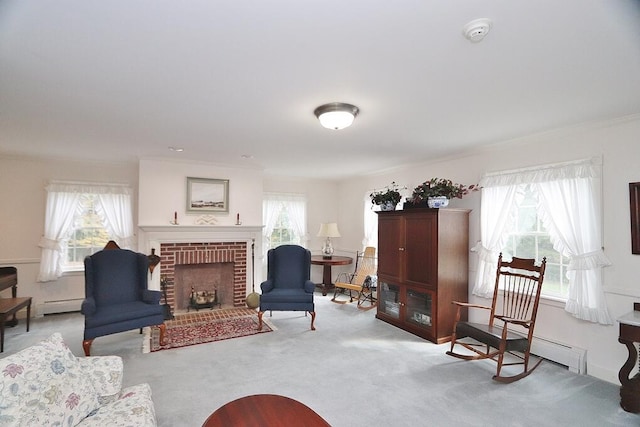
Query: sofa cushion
[
  {"x": 44, "y": 385},
  {"x": 106, "y": 375},
  {"x": 134, "y": 408}
]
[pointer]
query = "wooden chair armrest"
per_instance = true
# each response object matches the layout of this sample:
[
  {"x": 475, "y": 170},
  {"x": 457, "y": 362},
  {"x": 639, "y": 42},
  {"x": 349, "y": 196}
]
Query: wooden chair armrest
[
  {"x": 467, "y": 304},
  {"x": 525, "y": 323}
]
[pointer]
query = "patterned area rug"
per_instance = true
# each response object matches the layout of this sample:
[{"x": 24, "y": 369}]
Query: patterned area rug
[{"x": 205, "y": 326}]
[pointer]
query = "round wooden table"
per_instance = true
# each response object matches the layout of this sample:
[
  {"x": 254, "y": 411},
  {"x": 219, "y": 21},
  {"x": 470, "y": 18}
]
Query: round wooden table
[
  {"x": 264, "y": 410},
  {"x": 327, "y": 263}
]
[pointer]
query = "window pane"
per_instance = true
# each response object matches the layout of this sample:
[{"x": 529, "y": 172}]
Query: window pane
[
  {"x": 527, "y": 219},
  {"x": 283, "y": 232},
  {"x": 88, "y": 235},
  {"x": 545, "y": 249},
  {"x": 525, "y": 247},
  {"x": 552, "y": 284}
]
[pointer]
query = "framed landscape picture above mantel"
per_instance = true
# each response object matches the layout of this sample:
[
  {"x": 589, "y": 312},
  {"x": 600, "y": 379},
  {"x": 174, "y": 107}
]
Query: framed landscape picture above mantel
[{"x": 207, "y": 195}]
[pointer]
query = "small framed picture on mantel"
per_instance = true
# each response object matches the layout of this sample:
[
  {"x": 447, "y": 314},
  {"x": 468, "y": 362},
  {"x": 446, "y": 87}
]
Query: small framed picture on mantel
[{"x": 207, "y": 195}]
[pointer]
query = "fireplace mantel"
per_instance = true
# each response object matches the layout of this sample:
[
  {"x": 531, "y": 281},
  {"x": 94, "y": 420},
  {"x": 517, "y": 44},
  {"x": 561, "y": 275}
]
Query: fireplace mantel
[{"x": 164, "y": 232}]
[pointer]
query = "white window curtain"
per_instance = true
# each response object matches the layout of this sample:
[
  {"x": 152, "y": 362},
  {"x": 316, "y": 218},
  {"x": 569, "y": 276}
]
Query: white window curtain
[
  {"x": 296, "y": 205},
  {"x": 116, "y": 212},
  {"x": 570, "y": 210},
  {"x": 496, "y": 213},
  {"x": 114, "y": 208},
  {"x": 62, "y": 204},
  {"x": 571, "y": 214}
]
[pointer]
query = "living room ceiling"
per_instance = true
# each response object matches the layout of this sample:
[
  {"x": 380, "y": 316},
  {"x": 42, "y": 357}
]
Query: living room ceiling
[{"x": 235, "y": 82}]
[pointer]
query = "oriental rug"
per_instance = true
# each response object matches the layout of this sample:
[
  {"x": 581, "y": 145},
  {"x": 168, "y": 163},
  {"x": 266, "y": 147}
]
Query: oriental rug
[{"x": 205, "y": 326}]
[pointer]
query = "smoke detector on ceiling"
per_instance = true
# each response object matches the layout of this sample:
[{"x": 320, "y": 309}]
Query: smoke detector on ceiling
[{"x": 477, "y": 29}]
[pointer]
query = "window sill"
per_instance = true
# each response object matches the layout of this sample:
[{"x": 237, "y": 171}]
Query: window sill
[
  {"x": 73, "y": 272},
  {"x": 553, "y": 301},
  {"x": 545, "y": 300}
]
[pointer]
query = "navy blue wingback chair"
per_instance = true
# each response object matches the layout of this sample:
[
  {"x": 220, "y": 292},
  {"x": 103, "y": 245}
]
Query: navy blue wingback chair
[
  {"x": 116, "y": 295},
  {"x": 288, "y": 286}
]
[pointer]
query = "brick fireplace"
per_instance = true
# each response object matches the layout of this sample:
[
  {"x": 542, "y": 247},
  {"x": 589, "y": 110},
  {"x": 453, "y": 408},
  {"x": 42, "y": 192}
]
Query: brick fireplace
[
  {"x": 207, "y": 257},
  {"x": 208, "y": 251}
]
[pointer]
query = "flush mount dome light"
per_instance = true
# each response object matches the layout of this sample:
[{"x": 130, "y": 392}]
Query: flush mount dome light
[{"x": 336, "y": 115}]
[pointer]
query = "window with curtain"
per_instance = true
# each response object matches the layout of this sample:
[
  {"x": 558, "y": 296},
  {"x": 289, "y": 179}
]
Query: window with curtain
[
  {"x": 285, "y": 219},
  {"x": 568, "y": 207},
  {"x": 87, "y": 236},
  {"x": 529, "y": 238},
  {"x": 79, "y": 219}
]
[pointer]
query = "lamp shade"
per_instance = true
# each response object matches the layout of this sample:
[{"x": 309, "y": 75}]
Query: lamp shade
[
  {"x": 336, "y": 115},
  {"x": 329, "y": 230}
]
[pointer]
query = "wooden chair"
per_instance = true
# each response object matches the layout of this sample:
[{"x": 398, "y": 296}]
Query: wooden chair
[
  {"x": 515, "y": 306},
  {"x": 357, "y": 281}
]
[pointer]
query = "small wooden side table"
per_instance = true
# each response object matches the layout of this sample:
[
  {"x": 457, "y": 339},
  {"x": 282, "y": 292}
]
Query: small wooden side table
[
  {"x": 327, "y": 263},
  {"x": 265, "y": 410},
  {"x": 8, "y": 307},
  {"x": 630, "y": 334}
]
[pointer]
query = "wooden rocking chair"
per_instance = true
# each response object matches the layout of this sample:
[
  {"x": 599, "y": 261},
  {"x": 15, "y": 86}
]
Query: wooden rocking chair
[
  {"x": 515, "y": 304},
  {"x": 357, "y": 282}
]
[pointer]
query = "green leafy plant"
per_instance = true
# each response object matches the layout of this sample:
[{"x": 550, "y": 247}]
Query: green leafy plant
[
  {"x": 390, "y": 194},
  {"x": 441, "y": 187}
]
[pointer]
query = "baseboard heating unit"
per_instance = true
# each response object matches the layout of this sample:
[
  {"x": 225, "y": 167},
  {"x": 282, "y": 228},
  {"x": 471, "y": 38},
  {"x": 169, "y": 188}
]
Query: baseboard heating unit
[
  {"x": 60, "y": 306},
  {"x": 573, "y": 358}
]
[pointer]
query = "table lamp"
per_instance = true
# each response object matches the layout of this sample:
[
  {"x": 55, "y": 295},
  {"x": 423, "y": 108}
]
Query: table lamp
[{"x": 328, "y": 230}]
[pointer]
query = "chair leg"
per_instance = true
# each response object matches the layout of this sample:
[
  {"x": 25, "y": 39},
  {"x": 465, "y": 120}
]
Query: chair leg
[
  {"x": 86, "y": 346},
  {"x": 163, "y": 332},
  {"x": 313, "y": 319},
  {"x": 260, "y": 313}
]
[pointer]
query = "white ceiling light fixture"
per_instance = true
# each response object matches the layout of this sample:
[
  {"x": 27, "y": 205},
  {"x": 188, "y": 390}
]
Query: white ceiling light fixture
[
  {"x": 477, "y": 29},
  {"x": 336, "y": 115}
]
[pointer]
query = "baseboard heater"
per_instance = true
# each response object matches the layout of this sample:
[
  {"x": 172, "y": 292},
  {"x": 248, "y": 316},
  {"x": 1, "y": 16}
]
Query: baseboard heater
[
  {"x": 60, "y": 306},
  {"x": 573, "y": 358}
]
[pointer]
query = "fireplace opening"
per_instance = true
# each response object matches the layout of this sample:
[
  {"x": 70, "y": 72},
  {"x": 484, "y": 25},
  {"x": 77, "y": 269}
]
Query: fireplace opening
[{"x": 205, "y": 285}]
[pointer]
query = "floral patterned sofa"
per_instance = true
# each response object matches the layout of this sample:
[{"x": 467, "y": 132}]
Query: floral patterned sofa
[{"x": 47, "y": 385}]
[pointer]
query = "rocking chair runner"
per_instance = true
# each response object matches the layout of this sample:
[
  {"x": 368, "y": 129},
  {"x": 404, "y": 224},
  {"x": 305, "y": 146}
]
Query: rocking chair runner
[
  {"x": 518, "y": 282},
  {"x": 357, "y": 282}
]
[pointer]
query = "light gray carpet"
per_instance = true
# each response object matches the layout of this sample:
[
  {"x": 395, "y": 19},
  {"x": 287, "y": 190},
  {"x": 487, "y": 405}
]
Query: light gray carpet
[{"x": 354, "y": 370}]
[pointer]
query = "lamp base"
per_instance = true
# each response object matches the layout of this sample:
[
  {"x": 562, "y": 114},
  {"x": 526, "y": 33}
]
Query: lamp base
[{"x": 327, "y": 249}]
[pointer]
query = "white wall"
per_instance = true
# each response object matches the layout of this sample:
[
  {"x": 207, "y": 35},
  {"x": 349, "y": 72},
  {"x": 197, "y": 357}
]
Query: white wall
[
  {"x": 617, "y": 143},
  {"x": 163, "y": 191}
]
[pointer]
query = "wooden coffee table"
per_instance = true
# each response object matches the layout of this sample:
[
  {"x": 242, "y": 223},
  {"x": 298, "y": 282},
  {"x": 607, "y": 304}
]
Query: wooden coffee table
[{"x": 260, "y": 410}]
